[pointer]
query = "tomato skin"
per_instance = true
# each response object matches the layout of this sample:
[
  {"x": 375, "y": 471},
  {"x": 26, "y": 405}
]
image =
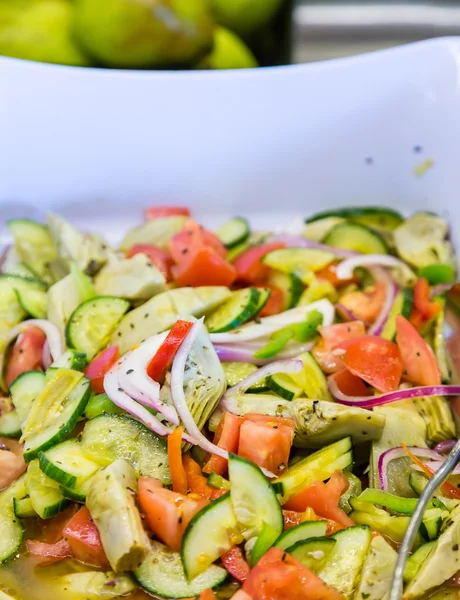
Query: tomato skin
[
  {"x": 268, "y": 446},
  {"x": 241, "y": 595},
  {"x": 99, "y": 366},
  {"x": 167, "y": 513},
  {"x": 274, "y": 305},
  {"x": 159, "y": 258},
  {"x": 83, "y": 537},
  {"x": 279, "y": 576},
  {"x": 226, "y": 437},
  {"x": 323, "y": 498},
  {"x": 203, "y": 266},
  {"x": 332, "y": 337},
  {"x": 292, "y": 518},
  {"x": 26, "y": 354},
  {"x": 349, "y": 384},
  {"x": 12, "y": 464},
  {"x": 375, "y": 360},
  {"x": 164, "y": 355},
  {"x": 49, "y": 553},
  {"x": 419, "y": 361},
  {"x": 423, "y": 309},
  {"x": 157, "y": 212},
  {"x": 249, "y": 265},
  {"x": 192, "y": 237},
  {"x": 236, "y": 564}
]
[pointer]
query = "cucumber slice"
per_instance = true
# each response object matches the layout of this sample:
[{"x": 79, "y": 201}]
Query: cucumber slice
[
  {"x": 239, "y": 308},
  {"x": 264, "y": 542},
  {"x": 33, "y": 302},
  {"x": 46, "y": 497},
  {"x": 71, "y": 359},
  {"x": 92, "y": 322},
  {"x": 300, "y": 533},
  {"x": 318, "y": 229},
  {"x": 311, "y": 379},
  {"x": 300, "y": 261},
  {"x": 23, "y": 509},
  {"x": 33, "y": 245},
  {"x": 12, "y": 265},
  {"x": 284, "y": 386},
  {"x": 290, "y": 285},
  {"x": 211, "y": 533},
  {"x": 99, "y": 405},
  {"x": 313, "y": 553},
  {"x": 401, "y": 306},
  {"x": 415, "y": 560},
  {"x": 234, "y": 232},
  {"x": 439, "y": 343},
  {"x": 11, "y": 532},
  {"x": 55, "y": 411},
  {"x": 24, "y": 389},
  {"x": 253, "y": 498},
  {"x": 319, "y": 465},
  {"x": 162, "y": 574},
  {"x": 66, "y": 464},
  {"x": 372, "y": 216},
  {"x": 108, "y": 437},
  {"x": 10, "y": 425},
  {"x": 263, "y": 298},
  {"x": 236, "y": 372},
  {"x": 345, "y": 562},
  {"x": 357, "y": 238},
  {"x": 11, "y": 312},
  {"x": 430, "y": 528}
]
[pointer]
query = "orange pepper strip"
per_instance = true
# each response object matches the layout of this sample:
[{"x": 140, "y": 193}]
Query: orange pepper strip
[
  {"x": 176, "y": 467},
  {"x": 446, "y": 486}
]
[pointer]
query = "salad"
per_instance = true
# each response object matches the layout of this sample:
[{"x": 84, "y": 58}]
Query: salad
[{"x": 228, "y": 414}]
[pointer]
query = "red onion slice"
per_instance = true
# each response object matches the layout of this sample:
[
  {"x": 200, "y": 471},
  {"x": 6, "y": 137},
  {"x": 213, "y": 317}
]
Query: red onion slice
[
  {"x": 440, "y": 289},
  {"x": 279, "y": 366},
  {"x": 406, "y": 394},
  {"x": 295, "y": 241},
  {"x": 434, "y": 465},
  {"x": 445, "y": 447},
  {"x": 346, "y": 267},
  {"x": 46, "y": 355},
  {"x": 386, "y": 457}
]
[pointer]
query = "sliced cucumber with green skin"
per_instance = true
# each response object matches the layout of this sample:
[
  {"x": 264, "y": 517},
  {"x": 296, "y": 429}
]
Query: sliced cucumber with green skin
[
  {"x": 34, "y": 245},
  {"x": 11, "y": 532},
  {"x": 239, "y": 308},
  {"x": 415, "y": 560},
  {"x": 430, "y": 527},
  {"x": 162, "y": 574},
  {"x": 23, "y": 509},
  {"x": 319, "y": 465},
  {"x": 253, "y": 498},
  {"x": 92, "y": 323},
  {"x": 11, "y": 312},
  {"x": 211, "y": 533},
  {"x": 236, "y": 372},
  {"x": 66, "y": 464},
  {"x": 289, "y": 284},
  {"x": 318, "y": 229},
  {"x": 10, "y": 425},
  {"x": 300, "y": 533},
  {"x": 55, "y": 411},
  {"x": 71, "y": 359},
  {"x": 313, "y": 553},
  {"x": 100, "y": 405},
  {"x": 372, "y": 216},
  {"x": 234, "y": 232},
  {"x": 401, "y": 306},
  {"x": 24, "y": 389},
  {"x": 311, "y": 378},
  {"x": 46, "y": 497},
  {"x": 300, "y": 261},
  {"x": 264, "y": 297},
  {"x": 357, "y": 238},
  {"x": 108, "y": 437},
  {"x": 284, "y": 386},
  {"x": 345, "y": 562},
  {"x": 33, "y": 302}
]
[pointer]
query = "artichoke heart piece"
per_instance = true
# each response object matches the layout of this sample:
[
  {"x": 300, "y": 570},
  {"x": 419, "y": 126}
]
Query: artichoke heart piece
[
  {"x": 63, "y": 298},
  {"x": 133, "y": 278},
  {"x": 156, "y": 232},
  {"x": 93, "y": 585},
  {"x": 437, "y": 414},
  {"x": 110, "y": 501}
]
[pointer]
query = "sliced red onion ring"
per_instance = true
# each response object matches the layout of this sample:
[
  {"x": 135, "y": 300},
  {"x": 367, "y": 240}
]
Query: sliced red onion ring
[
  {"x": 406, "y": 394},
  {"x": 134, "y": 379},
  {"x": 386, "y": 457},
  {"x": 120, "y": 398},
  {"x": 245, "y": 352},
  {"x": 279, "y": 366},
  {"x": 391, "y": 292},
  {"x": 269, "y": 325},
  {"x": 46, "y": 355},
  {"x": 295, "y": 241},
  {"x": 434, "y": 465},
  {"x": 180, "y": 402},
  {"x": 445, "y": 447},
  {"x": 345, "y": 312},
  {"x": 346, "y": 267}
]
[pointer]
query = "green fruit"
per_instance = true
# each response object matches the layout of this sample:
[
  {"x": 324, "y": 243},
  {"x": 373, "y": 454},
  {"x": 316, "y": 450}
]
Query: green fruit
[
  {"x": 143, "y": 33},
  {"x": 39, "y": 31},
  {"x": 229, "y": 52},
  {"x": 244, "y": 16}
]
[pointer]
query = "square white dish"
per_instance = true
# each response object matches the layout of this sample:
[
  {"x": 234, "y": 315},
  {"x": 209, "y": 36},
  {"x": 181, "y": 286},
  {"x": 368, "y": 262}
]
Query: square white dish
[{"x": 98, "y": 145}]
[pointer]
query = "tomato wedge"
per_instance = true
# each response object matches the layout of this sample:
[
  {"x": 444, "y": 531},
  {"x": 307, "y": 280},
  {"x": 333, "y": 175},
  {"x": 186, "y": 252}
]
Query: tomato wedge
[
  {"x": 49, "y": 553},
  {"x": 268, "y": 446},
  {"x": 323, "y": 498},
  {"x": 332, "y": 336},
  {"x": 418, "y": 358},
  {"x": 167, "y": 513},
  {"x": 193, "y": 236},
  {"x": 279, "y": 576},
  {"x": 99, "y": 367},
  {"x": 235, "y": 563},
  {"x": 157, "y": 367},
  {"x": 366, "y": 304},
  {"x": 249, "y": 265},
  {"x": 197, "y": 482},
  {"x": 423, "y": 309},
  {"x": 226, "y": 437},
  {"x": 26, "y": 354},
  {"x": 157, "y": 212},
  {"x": 349, "y": 384},
  {"x": 203, "y": 266},
  {"x": 12, "y": 464},
  {"x": 178, "y": 474},
  {"x": 275, "y": 303},
  {"x": 292, "y": 518},
  {"x": 83, "y": 537},
  {"x": 159, "y": 258},
  {"x": 375, "y": 360}
]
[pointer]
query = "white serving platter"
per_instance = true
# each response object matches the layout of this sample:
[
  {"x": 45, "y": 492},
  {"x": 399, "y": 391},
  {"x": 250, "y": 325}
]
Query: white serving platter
[{"x": 98, "y": 145}]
